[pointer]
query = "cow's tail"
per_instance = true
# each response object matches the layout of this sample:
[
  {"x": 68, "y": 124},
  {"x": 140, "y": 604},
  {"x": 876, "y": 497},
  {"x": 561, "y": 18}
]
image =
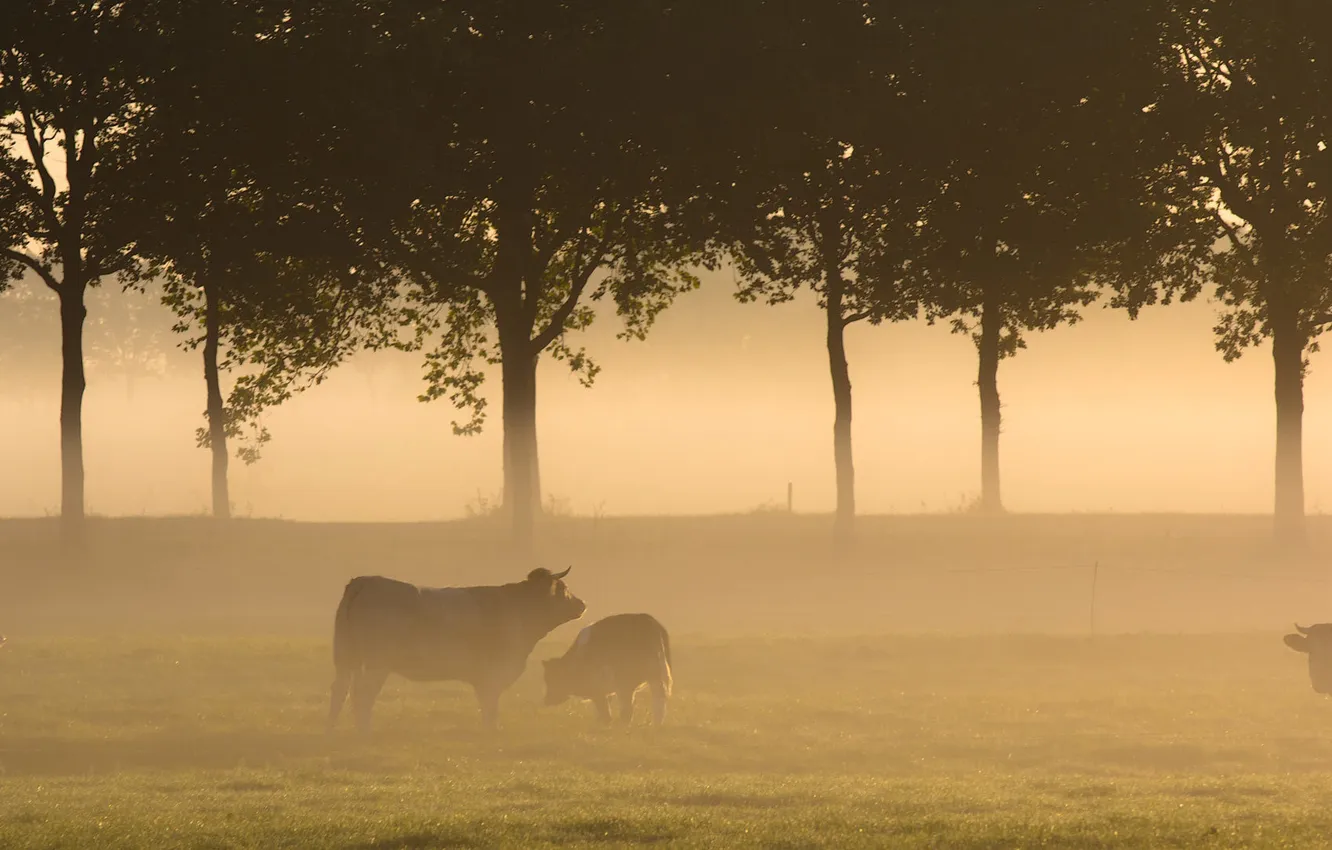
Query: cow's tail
[{"x": 666, "y": 679}]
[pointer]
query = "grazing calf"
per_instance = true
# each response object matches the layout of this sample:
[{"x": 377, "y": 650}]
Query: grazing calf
[{"x": 616, "y": 655}]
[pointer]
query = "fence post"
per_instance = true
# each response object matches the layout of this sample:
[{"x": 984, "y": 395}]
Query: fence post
[
  {"x": 790, "y": 497},
  {"x": 1096, "y": 569}
]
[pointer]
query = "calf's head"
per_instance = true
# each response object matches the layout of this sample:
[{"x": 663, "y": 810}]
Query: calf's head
[
  {"x": 1316, "y": 642},
  {"x": 560, "y": 684}
]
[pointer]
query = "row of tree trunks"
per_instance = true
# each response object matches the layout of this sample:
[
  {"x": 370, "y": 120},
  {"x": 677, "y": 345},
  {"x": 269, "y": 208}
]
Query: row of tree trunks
[{"x": 522, "y": 483}]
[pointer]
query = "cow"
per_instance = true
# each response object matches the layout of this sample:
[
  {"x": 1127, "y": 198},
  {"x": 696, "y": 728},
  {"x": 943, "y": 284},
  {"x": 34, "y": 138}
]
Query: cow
[
  {"x": 1316, "y": 642},
  {"x": 614, "y": 656},
  {"x": 478, "y": 635}
]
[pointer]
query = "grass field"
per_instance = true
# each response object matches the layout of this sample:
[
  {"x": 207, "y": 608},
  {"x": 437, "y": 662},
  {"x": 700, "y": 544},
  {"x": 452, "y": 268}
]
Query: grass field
[
  {"x": 934, "y": 686},
  {"x": 1213, "y": 741}
]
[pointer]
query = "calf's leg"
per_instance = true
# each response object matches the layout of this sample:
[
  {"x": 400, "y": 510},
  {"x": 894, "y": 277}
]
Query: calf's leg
[
  {"x": 603, "y": 708},
  {"x": 626, "y": 693},
  {"x": 659, "y": 695}
]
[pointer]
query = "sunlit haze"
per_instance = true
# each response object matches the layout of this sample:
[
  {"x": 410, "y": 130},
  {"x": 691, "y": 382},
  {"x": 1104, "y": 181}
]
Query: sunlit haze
[{"x": 716, "y": 412}]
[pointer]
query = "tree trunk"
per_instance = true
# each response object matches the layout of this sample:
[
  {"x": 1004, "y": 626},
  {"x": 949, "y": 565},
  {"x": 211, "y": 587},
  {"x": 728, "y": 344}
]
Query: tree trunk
[
  {"x": 1288, "y": 359},
  {"x": 992, "y": 322},
  {"x": 217, "y": 423},
  {"x": 522, "y": 487},
  {"x": 72, "y": 384},
  {"x": 841, "y": 381}
]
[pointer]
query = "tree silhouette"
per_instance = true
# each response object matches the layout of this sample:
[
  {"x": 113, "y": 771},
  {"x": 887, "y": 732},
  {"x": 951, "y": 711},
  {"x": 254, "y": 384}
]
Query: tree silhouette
[
  {"x": 825, "y": 189},
  {"x": 70, "y": 98},
  {"x": 1244, "y": 198},
  {"x": 1040, "y": 177},
  {"x": 255, "y": 261},
  {"x": 537, "y": 192}
]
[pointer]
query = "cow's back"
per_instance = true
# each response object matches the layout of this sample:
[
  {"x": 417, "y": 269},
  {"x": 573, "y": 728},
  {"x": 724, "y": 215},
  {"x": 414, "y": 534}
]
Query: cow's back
[{"x": 420, "y": 633}]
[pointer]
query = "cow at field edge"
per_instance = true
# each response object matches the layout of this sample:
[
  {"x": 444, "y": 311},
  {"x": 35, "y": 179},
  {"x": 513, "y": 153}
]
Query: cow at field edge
[
  {"x": 478, "y": 635},
  {"x": 1316, "y": 642}
]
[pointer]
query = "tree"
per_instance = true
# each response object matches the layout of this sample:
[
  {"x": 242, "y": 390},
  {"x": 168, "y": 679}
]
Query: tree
[
  {"x": 540, "y": 193},
  {"x": 1248, "y": 97},
  {"x": 260, "y": 272},
  {"x": 68, "y": 94},
  {"x": 829, "y": 176},
  {"x": 1040, "y": 177}
]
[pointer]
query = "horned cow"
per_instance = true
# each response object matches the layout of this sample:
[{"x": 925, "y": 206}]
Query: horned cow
[{"x": 478, "y": 635}]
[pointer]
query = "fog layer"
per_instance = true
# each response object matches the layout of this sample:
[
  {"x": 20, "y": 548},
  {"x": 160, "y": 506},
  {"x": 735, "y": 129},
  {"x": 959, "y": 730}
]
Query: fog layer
[{"x": 717, "y": 411}]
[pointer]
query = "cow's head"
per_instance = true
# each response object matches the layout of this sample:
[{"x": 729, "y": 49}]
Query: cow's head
[
  {"x": 1316, "y": 642},
  {"x": 553, "y": 604}
]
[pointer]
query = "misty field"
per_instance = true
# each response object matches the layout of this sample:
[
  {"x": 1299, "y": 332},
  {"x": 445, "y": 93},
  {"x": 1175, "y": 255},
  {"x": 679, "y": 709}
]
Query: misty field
[
  {"x": 951, "y": 681},
  {"x": 781, "y": 742}
]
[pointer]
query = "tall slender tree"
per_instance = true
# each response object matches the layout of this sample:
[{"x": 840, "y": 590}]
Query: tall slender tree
[
  {"x": 1041, "y": 172},
  {"x": 263, "y": 275},
  {"x": 71, "y": 102},
  {"x": 827, "y": 183}
]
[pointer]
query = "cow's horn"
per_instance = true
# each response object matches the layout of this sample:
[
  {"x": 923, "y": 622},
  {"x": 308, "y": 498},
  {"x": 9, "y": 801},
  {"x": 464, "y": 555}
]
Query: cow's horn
[
  {"x": 563, "y": 574},
  {"x": 1301, "y": 629}
]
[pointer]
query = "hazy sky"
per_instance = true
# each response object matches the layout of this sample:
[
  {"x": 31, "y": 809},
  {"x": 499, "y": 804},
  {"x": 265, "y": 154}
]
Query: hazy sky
[{"x": 720, "y": 408}]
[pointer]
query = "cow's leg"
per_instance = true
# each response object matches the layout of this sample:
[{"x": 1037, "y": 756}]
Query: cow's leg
[
  {"x": 365, "y": 689},
  {"x": 603, "y": 708},
  {"x": 626, "y": 693},
  {"x": 342, "y": 683},
  {"x": 658, "y": 700},
  {"x": 488, "y": 696}
]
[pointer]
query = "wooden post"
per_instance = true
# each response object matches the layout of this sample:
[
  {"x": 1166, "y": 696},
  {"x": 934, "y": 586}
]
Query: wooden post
[{"x": 790, "y": 497}]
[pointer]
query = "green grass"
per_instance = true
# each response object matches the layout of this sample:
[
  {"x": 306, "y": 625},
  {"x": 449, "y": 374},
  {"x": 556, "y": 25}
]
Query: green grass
[{"x": 1131, "y": 741}]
